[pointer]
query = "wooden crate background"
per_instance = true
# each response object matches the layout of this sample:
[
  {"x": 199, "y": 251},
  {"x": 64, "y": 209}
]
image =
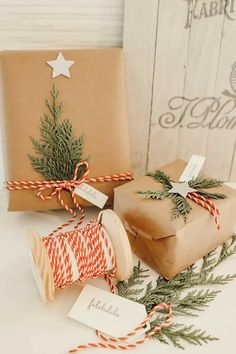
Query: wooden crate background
[{"x": 169, "y": 55}]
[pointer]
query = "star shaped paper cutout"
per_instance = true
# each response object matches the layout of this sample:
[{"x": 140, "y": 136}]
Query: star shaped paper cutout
[
  {"x": 60, "y": 66},
  {"x": 181, "y": 188}
]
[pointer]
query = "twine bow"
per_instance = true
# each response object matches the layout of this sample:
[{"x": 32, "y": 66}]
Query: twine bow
[{"x": 57, "y": 187}]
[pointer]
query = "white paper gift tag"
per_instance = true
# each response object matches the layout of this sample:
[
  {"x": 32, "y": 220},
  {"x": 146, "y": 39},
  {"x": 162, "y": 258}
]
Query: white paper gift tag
[
  {"x": 106, "y": 312},
  {"x": 193, "y": 168},
  {"x": 91, "y": 194}
]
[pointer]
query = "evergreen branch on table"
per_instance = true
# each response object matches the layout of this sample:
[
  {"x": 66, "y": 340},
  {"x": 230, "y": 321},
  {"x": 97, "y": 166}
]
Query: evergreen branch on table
[
  {"x": 196, "y": 300},
  {"x": 211, "y": 260},
  {"x": 127, "y": 289},
  {"x": 176, "y": 333},
  {"x": 58, "y": 151},
  {"x": 176, "y": 292}
]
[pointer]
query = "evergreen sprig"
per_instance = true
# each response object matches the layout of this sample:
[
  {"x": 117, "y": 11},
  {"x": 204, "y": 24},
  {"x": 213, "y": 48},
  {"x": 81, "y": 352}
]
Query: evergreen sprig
[
  {"x": 201, "y": 182},
  {"x": 182, "y": 292},
  {"x": 178, "y": 333},
  {"x": 182, "y": 206},
  {"x": 58, "y": 151},
  {"x": 161, "y": 177},
  {"x": 155, "y": 194}
]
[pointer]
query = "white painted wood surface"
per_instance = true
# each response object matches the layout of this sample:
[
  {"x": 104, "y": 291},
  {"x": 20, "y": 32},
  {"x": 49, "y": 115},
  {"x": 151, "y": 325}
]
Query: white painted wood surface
[
  {"x": 29, "y": 24},
  {"x": 52, "y": 24},
  {"x": 176, "y": 48},
  {"x": 140, "y": 43},
  {"x": 226, "y": 142},
  {"x": 190, "y": 67},
  {"x": 200, "y": 78}
]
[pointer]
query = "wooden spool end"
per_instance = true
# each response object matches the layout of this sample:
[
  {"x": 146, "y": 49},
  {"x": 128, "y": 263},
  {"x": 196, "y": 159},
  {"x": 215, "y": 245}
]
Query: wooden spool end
[
  {"x": 41, "y": 268},
  {"x": 120, "y": 243}
]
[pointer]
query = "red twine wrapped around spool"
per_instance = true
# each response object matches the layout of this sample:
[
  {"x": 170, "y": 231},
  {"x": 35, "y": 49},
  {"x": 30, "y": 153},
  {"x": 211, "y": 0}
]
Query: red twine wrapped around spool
[{"x": 81, "y": 254}]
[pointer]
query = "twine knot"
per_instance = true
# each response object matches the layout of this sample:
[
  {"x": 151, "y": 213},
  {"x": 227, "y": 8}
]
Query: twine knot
[{"x": 56, "y": 188}]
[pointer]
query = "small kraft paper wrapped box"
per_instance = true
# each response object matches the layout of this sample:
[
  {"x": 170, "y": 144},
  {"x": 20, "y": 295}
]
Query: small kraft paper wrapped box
[
  {"x": 84, "y": 92},
  {"x": 169, "y": 246}
]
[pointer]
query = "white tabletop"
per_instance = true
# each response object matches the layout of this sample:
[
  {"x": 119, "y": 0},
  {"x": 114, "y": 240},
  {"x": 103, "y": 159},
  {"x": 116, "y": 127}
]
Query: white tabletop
[{"x": 29, "y": 327}]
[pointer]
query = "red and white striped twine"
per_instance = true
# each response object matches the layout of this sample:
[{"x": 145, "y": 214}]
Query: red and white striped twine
[
  {"x": 118, "y": 343},
  {"x": 85, "y": 254},
  {"x": 56, "y": 188},
  {"x": 80, "y": 254},
  {"x": 207, "y": 204}
]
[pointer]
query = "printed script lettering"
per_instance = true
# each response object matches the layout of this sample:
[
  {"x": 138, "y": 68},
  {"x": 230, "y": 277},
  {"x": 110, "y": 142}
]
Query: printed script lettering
[
  {"x": 198, "y": 9},
  {"x": 103, "y": 306},
  {"x": 209, "y": 112},
  {"x": 88, "y": 190}
]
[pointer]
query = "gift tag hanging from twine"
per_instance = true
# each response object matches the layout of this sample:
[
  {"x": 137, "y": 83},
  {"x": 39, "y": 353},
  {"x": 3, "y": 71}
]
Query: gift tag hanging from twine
[
  {"x": 100, "y": 249},
  {"x": 193, "y": 168}
]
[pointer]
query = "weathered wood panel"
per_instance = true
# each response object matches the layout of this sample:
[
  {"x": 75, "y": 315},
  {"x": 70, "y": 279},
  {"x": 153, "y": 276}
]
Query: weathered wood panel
[
  {"x": 191, "y": 111},
  {"x": 169, "y": 79},
  {"x": 140, "y": 47},
  {"x": 201, "y": 72},
  {"x": 221, "y": 140},
  {"x": 29, "y": 24}
]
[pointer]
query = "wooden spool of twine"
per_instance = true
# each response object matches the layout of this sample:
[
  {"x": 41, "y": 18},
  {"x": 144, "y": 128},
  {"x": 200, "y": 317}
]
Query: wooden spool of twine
[{"x": 101, "y": 248}]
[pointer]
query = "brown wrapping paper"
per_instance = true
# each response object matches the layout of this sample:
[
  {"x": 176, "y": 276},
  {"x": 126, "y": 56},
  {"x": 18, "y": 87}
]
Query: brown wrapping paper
[
  {"x": 94, "y": 99},
  {"x": 171, "y": 246}
]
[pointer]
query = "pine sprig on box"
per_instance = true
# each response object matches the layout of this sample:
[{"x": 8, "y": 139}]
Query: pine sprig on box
[
  {"x": 182, "y": 206},
  {"x": 58, "y": 151}
]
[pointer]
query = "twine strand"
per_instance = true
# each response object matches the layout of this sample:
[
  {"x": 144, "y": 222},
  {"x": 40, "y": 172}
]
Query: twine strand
[
  {"x": 81, "y": 254},
  {"x": 117, "y": 343},
  {"x": 207, "y": 204},
  {"x": 56, "y": 188}
]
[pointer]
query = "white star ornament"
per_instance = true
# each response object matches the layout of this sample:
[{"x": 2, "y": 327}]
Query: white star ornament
[
  {"x": 60, "y": 66},
  {"x": 181, "y": 188}
]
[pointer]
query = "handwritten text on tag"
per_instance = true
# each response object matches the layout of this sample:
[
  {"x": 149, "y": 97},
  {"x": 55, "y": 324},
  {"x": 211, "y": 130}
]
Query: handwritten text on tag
[
  {"x": 193, "y": 168},
  {"x": 92, "y": 195},
  {"x": 107, "y": 312}
]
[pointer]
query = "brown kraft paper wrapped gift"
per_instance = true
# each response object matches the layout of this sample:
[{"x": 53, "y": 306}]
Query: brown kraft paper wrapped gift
[
  {"x": 94, "y": 99},
  {"x": 171, "y": 246}
]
